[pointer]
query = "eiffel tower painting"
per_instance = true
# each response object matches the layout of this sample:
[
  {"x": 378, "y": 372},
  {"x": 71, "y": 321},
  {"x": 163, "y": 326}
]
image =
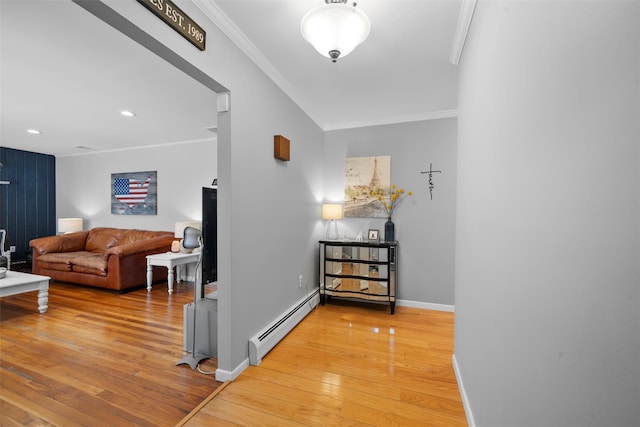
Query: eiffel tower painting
[
  {"x": 375, "y": 179},
  {"x": 362, "y": 176}
]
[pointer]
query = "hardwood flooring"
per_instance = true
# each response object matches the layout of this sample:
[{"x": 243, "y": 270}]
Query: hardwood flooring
[
  {"x": 97, "y": 358},
  {"x": 348, "y": 365}
]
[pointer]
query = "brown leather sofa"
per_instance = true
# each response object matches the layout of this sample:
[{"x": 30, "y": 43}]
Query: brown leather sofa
[{"x": 111, "y": 258}]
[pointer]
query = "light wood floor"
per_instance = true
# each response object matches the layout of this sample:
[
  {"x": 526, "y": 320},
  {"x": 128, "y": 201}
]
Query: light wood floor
[
  {"x": 97, "y": 358},
  {"x": 348, "y": 365}
]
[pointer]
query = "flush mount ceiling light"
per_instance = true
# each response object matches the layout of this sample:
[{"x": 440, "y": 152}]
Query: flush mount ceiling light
[
  {"x": 127, "y": 113},
  {"x": 335, "y": 29},
  {"x": 34, "y": 131}
]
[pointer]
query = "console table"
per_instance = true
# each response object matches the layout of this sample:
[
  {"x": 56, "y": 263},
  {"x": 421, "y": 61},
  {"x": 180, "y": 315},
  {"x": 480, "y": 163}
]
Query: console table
[
  {"x": 169, "y": 260},
  {"x": 359, "y": 270}
]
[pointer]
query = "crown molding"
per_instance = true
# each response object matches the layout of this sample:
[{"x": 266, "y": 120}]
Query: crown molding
[
  {"x": 139, "y": 147},
  {"x": 434, "y": 115},
  {"x": 231, "y": 30},
  {"x": 462, "y": 30}
]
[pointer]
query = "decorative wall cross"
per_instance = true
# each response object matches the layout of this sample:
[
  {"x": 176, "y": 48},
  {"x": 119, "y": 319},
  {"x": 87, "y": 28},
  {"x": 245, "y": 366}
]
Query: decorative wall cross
[{"x": 431, "y": 185}]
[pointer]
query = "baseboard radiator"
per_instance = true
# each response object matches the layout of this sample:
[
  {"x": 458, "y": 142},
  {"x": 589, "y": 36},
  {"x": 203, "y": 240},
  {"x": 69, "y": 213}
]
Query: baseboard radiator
[{"x": 261, "y": 343}]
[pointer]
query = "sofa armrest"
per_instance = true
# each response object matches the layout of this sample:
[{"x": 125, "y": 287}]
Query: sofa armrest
[
  {"x": 71, "y": 242},
  {"x": 152, "y": 245}
]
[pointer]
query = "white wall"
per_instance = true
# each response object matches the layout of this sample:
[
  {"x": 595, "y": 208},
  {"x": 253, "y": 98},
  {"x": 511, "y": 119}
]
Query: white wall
[
  {"x": 548, "y": 233},
  {"x": 424, "y": 228},
  {"x": 84, "y": 184}
]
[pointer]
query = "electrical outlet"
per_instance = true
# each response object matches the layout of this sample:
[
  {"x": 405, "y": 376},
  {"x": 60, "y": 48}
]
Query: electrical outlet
[
  {"x": 300, "y": 281},
  {"x": 12, "y": 248}
]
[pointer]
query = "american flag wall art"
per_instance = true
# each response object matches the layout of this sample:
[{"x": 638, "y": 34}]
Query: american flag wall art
[{"x": 134, "y": 193}]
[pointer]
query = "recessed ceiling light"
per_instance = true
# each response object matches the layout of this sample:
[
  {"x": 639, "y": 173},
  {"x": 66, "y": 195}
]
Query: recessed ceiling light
[
  {"x": 34, "y": 131},
  {"x": 127, "y": 113}
]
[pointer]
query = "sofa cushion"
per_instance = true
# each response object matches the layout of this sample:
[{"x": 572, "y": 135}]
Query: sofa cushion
[
  {"x": 89, "y": 262},
  {"x": 55, "y": 266},
  {"x": 100, "y": 239},
  {"x": 71, "y": 242},
  {"x": 133, "y": 236},
  {"x": 88, "y": 270},
  {"x": 60, "y": 261}
]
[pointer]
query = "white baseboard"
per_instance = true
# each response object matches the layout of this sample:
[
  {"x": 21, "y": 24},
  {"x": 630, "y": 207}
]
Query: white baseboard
[
  {"x": 463, "y": 394},
  {"x": 426, "y": 305},
  {"x": 223, "y": 375}
]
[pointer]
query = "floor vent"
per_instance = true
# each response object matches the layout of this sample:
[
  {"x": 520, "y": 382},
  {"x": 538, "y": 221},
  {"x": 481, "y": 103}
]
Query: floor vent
[{"x": 261, "y": 343}]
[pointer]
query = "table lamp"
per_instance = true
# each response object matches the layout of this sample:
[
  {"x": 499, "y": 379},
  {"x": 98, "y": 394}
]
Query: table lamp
[
  {"x": 332, "y": 212},
  {"x": 69, "y": 225}
]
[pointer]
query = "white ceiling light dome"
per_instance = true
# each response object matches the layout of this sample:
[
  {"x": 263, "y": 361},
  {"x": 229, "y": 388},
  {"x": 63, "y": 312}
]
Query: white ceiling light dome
[{"x": 335, "y": 29}]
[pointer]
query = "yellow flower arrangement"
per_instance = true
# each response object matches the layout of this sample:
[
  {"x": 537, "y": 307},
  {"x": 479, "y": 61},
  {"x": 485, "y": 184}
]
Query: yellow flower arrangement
[{"x": 392, "y": 200}]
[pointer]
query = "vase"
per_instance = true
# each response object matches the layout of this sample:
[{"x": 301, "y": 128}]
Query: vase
[{"x": 389, "y": 231}]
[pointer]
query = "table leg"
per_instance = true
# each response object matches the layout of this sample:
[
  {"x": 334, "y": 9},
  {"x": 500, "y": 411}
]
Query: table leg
[
  {"x": 178, "y": 273},
  {"x": 170, "y": 279},
  {"x": 43, "y": 298},
  {"x": 149, "y": 275}
]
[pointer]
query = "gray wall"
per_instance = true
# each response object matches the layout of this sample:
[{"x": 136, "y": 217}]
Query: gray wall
[
  {"x": 84, "y": 184},
  {"x": 548, "y": 216},
  {"x": 425, "y": 228}
]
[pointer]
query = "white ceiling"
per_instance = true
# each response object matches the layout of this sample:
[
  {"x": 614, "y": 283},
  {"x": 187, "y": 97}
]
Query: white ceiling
[{"x": 72, "y": 88}]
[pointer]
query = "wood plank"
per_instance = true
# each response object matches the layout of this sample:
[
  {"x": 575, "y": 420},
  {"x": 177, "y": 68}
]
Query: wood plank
[
  {"x": 96, "y": 358},
  {"x": 349, "y": 365}
]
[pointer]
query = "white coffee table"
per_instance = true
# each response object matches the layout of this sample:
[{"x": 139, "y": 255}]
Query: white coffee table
[
  {"x": 17, "y": 283},
  {"x": 169, "y": 260}
]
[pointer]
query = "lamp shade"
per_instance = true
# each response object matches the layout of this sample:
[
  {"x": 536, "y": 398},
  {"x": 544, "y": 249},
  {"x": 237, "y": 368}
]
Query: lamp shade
[
  {"x": 335, "y": 29},
  {"x": 69, "y": 225},
  {"x": 180, "y": 226},
  {"x": 331, "y": 211}
]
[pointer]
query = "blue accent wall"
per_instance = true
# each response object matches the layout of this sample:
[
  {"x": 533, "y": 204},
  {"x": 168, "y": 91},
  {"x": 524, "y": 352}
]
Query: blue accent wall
[{"x": 28, "y": 203}]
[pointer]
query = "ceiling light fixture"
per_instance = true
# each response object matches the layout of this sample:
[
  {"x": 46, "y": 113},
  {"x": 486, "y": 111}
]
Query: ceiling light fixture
[
  {"x": 127, "y": 113},
  {"x": 34, "y": 131},
  {"x": 335, "y": 29}
]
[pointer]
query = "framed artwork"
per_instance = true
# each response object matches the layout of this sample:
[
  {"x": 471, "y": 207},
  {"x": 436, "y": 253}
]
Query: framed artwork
[
  {"x": 374, "y": 235},
  {"x": 362, "y": 175},
  {"x": 134, "y": 193}
]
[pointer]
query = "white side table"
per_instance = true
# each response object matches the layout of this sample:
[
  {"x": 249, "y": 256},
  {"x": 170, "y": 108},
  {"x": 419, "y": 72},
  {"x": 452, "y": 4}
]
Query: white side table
[{"x": 169, "y": 260}]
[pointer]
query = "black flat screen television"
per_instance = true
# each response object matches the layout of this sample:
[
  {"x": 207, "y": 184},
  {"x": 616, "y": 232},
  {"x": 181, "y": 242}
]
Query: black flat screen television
[{"x": 209, "y": 235}]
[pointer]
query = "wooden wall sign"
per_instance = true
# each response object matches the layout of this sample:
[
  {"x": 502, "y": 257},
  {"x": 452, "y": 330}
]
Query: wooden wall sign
[
  {"x": 281, "y": 148},
  {"x": 173, "y": 16}
]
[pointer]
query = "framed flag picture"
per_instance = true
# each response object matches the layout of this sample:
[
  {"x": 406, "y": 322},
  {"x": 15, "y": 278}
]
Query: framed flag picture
[{"x": 134, "y": 193}]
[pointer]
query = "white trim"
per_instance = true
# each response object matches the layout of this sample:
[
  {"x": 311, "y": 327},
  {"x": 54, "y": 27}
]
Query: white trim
[
  {"x": 426, "y": 305},
  {"x": 463, "y": 393},
  {"x": 223, "y": 375},
  {"x": 434, "y": 115},
  {"x": 462, "y": 30},
  {"x": 231, "y": 30},
  {"x": 139, "y": 147}
]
